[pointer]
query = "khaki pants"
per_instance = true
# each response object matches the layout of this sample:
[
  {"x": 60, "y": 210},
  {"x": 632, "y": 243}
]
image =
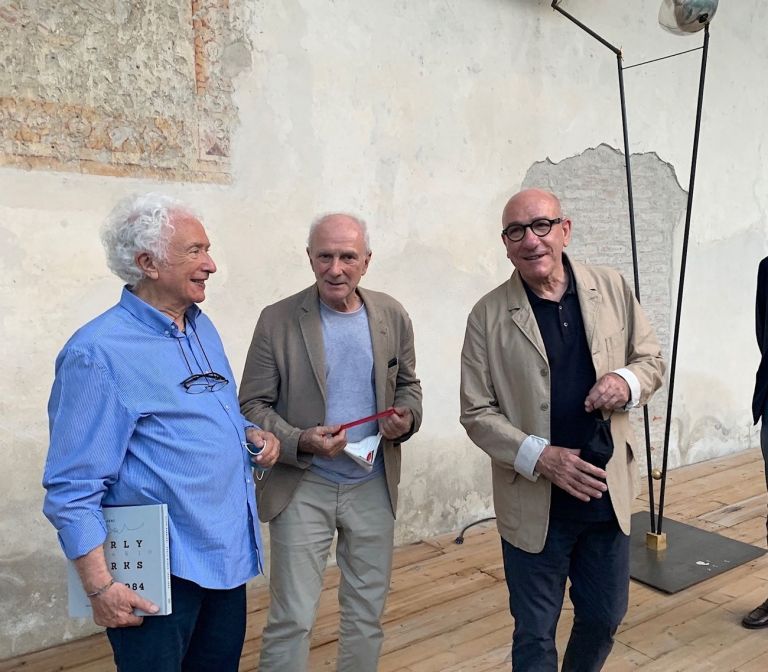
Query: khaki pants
[{"x": 300, "y": 540}]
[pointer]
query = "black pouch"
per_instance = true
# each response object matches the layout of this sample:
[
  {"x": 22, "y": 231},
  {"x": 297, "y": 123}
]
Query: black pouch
[{"x": 599, "y": 448}]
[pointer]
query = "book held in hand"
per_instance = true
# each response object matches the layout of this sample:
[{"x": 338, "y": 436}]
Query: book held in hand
[
  {"x": 364, "y": 452},
  {"x": 136, "y": 550}
]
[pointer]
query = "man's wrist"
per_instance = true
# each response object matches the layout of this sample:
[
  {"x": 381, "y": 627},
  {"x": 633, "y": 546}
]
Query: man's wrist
[
  {"x": 304, "y": 444},
  {"x": 528, "y": 456},
  {"x": 632, "y": 383},
  {"x": 103, "y": 589}
]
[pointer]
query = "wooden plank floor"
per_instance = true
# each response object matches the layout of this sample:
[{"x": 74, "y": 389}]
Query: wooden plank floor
[{"x": 447, "y": 610}]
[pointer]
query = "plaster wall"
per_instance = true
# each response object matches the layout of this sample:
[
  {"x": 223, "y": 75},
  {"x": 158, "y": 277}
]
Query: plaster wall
[{"x": 424, "y": 117}]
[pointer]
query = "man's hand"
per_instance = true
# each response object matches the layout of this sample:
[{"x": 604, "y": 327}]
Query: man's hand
[
  {"x": 114, "y": 607},
  {"x": 325, "y": 440},
  {"x": 269, "y": 444},
  {"x": 564, "y": 468},
  {"x": 610, "y": 392},
  {"x": 397, "y": 424}
]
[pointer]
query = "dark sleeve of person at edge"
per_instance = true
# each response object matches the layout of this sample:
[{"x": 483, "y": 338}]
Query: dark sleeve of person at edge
[
  {"x": 572, "y": 375},
  {"x": 761, "y": 332},
  {"x": 760, "y": 304}
]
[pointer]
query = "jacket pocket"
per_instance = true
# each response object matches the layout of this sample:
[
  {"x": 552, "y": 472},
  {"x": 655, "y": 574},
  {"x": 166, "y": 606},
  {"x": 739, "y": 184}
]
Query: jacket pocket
[
  {"x": 615, "y": 350},
  {"x": 391, "y": 383}
]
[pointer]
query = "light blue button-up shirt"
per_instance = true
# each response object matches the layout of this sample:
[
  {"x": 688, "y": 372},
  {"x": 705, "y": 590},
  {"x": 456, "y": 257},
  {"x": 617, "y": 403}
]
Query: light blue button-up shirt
[{"x": 124, "y": 432}]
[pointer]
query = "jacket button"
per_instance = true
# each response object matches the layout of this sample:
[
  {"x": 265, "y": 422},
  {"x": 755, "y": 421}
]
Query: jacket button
[
  {"x": 544, "y": 372},
  {"x": 544, "y": 406}
]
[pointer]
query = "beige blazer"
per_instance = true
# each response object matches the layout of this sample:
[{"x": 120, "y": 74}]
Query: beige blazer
[
  {"x": 283, "y": 386},
  {"x": 505, "y": 390}
]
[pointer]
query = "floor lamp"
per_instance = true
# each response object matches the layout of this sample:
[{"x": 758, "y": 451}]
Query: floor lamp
[{"x": 692, "y": 554}]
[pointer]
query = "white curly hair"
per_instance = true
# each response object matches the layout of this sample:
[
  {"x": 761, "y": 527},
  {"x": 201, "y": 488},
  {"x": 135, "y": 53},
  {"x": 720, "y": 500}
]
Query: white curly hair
[{"x": 139, "y": 223}]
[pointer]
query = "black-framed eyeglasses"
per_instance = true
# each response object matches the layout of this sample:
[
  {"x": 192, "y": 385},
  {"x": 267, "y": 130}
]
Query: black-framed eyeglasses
[
  {"x": 514, "y": 233},
  {"x": 209, "y": 381},
  {"x": 206, "y": 381}
]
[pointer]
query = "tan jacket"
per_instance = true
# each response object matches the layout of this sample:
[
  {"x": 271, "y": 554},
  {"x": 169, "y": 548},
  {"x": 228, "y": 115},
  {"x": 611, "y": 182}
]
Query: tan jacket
[
  {"x": 505, "y": 390},
  {"x": 283, "y": 386}
]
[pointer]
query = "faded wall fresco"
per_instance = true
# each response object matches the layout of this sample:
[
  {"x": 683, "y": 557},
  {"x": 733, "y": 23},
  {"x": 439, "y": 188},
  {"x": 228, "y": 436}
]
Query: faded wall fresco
[{"x": 119, "y": 87}]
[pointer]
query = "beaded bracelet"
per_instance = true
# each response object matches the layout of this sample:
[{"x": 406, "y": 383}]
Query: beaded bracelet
[{"x": 101, "y": 590}]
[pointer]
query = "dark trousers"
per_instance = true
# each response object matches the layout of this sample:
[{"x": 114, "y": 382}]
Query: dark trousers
[
  {"x": 205, "y": 633},
  {"x": 595, "y": 556},
  {"x": 764, "y": 449}
]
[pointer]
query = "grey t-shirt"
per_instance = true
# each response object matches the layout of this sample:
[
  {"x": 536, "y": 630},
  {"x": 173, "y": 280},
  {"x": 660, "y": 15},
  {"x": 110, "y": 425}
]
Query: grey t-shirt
[{"x": 350, "y": 390}]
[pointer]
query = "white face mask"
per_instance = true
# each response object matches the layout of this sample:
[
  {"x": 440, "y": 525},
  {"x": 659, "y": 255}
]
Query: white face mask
[{"x": 364, "y": 452}]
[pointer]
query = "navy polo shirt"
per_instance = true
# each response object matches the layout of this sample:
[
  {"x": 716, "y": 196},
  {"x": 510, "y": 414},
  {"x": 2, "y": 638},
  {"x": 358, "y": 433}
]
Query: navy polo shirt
[{"x": 572, "y": 375}]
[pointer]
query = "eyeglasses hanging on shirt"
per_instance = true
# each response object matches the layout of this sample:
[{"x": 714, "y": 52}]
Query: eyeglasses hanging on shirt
[{"x": 206, "y": 381}]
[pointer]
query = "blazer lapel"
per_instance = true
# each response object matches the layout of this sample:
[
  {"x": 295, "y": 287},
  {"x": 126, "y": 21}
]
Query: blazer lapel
[
  {"x": 312, "y": 332},
  {"x": 522, "y": 315},
  {"x": 379, "y": 329},
  {"x": 589, "y": 301}
]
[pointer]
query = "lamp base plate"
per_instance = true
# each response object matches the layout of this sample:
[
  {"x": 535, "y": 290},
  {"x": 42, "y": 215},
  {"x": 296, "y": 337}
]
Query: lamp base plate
[{"x": 691, "y": 556}]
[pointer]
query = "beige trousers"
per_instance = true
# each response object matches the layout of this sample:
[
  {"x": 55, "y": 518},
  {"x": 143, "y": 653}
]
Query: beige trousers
[{"x": 300, "y": 540}]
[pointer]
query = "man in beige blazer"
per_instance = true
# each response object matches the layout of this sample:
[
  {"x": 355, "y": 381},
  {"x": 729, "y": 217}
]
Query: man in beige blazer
[
  {"x": 320, "y": 359},
  {"x": 552, "y": 360}
]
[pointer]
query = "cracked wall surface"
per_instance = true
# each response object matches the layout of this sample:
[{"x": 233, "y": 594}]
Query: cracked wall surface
[{"x": 120, "y": 87}]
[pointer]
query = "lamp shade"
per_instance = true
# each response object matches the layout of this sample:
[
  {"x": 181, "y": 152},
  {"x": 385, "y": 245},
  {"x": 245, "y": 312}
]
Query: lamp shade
[{"x": 683, "y": 17}]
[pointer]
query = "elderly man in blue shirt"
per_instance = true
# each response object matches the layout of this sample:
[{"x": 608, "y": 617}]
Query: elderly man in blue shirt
[{"x": 144, "y": 410}]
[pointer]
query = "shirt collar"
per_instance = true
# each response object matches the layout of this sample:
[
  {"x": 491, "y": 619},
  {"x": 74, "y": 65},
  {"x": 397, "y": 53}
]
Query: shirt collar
[
  {"x": 570, "y": 290},
  {"x": 152, "y": 317}
]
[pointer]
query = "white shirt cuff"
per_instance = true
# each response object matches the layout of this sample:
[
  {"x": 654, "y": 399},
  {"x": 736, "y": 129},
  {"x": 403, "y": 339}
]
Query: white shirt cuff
[
  {"x": 528, "y": 455},
  {"x": 634, "y": 387}
]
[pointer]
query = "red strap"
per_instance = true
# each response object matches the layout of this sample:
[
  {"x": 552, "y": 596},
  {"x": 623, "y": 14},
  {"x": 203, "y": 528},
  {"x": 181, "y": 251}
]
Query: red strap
[{"x": 370, "y": 418}]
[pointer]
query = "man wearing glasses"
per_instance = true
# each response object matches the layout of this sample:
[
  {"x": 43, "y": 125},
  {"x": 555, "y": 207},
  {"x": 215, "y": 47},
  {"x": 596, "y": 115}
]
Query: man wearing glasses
[
  {"x": 144, "y": 411},
  {"x": 322, "y": 366},
  {"x": 552, "y": 360}
]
